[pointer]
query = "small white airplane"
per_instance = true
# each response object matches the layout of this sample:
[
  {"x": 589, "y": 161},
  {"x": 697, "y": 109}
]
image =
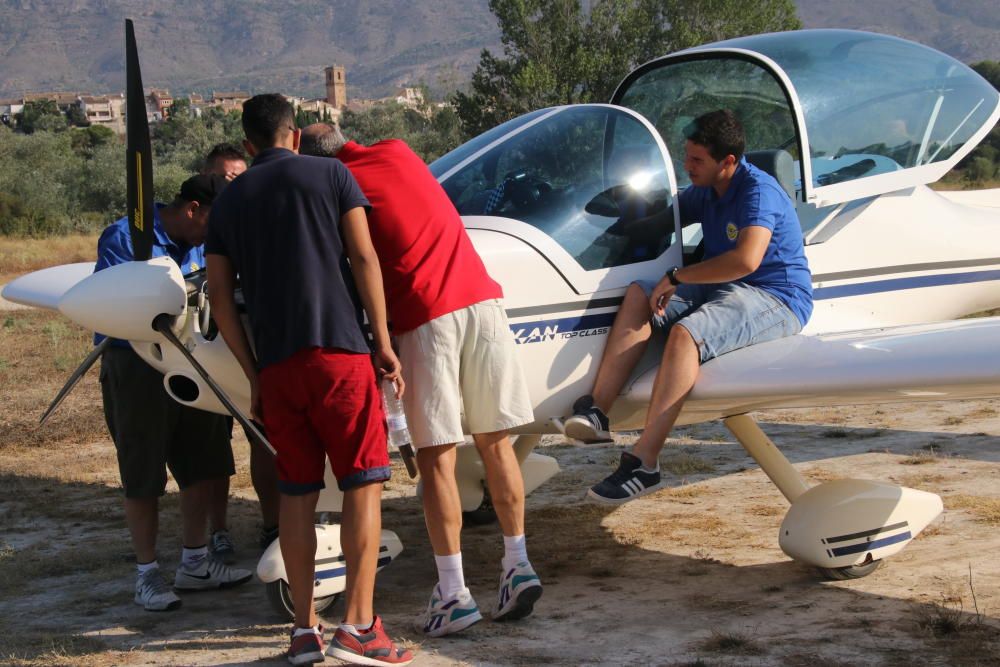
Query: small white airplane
[{"x": 568, "y": 205}]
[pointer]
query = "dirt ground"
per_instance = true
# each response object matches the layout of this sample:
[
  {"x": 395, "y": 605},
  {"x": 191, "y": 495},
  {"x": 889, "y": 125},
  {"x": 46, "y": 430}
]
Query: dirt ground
[{"x": 691, "y": 575}]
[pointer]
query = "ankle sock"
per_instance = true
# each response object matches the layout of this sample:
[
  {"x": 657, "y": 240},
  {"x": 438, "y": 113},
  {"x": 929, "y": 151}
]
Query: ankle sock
[
  {"x": 191, "y": 558},
  {"x": 515, "y": 551},
  {"x": 356, "y": 629},
  {"x": 303, "y": 631},
  {"x": 451, "y": 579},
  {"x": 146, "y": 567}
]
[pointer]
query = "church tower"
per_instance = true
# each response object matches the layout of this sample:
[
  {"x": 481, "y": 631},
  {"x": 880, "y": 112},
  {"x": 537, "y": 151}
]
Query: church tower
[{"x": 336, "y": 87}]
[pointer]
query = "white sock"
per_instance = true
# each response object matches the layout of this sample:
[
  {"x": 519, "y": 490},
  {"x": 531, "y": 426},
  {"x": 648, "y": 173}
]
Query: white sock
[
  {"x": 146, "y": 567},
  {"x": 451, "y": 579},
  {"x": 191, "y": 559},
  {"x": 302, "y": 631},
  {"x": 356, "y": 629},
  {"x": 514, "y": 551},
  {"x": 643, "y": 468}
]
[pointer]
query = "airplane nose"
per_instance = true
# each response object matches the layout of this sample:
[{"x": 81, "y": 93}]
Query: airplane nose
[{"x": 122, "y": 300}]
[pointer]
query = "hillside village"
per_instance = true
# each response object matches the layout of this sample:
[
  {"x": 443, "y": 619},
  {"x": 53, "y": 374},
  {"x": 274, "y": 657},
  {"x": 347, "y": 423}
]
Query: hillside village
[{"x": 108, "y": 109}]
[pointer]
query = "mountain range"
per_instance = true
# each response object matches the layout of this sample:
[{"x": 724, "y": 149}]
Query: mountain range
[{"x": 251, "y": 45}]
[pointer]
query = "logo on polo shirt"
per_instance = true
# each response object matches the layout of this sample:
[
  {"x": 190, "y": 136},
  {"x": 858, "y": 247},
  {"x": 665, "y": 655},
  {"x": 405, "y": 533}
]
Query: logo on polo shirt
[
  {"x": 731, "y": 231},
  {"x": 194, "y": 266}
]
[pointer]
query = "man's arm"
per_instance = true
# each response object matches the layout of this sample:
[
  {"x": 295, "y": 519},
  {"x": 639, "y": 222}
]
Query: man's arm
[
  {"x": 732, "y": 265},
  {"x": 221, "y": 278},
  {"x": 368, "y": 278}
]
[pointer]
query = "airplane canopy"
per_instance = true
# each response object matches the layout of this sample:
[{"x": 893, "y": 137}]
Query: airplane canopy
[{"x": 874, "y": 113}]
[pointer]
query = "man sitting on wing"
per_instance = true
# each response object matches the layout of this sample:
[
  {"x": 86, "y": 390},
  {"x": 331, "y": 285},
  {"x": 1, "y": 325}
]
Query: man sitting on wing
[{"x": 753, "y": 286}]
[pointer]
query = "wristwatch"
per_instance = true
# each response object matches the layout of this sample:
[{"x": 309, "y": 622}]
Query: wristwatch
[{"x": 672, "y": 276}]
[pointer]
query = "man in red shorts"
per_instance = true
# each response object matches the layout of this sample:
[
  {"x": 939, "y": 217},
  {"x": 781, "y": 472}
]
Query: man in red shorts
[
  {"x": 288, "y": 229},
  {"x": 459, "y": 359}
]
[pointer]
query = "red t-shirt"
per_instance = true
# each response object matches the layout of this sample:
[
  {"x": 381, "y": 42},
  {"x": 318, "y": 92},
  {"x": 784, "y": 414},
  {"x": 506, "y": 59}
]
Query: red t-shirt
[{"x": 429, "y": 266}]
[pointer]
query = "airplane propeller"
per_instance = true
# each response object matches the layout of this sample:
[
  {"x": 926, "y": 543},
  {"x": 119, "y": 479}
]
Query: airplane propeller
[{"x": 139, "y": 168}]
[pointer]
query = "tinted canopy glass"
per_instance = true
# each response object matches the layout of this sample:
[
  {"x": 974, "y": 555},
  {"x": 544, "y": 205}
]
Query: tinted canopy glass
[{"x": 593, "y": 178}]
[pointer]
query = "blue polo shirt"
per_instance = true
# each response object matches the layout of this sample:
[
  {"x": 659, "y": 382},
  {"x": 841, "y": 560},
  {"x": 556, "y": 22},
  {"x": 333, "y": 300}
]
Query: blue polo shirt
[
  {"x": 115, "y": 247},
  {"x": 279, "y": 225},
  {"x": 754, "y": 198}
]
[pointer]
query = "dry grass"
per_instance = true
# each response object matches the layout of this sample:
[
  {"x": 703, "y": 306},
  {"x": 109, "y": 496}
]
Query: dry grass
[
  {"x": 687, "y": 491},
  {"x": 38, "y": 351},
  {"x": 930, "y": 455},
  {"x": 686, "y": 464},
  {"x": 19, "y": 256},
  {"x": 731, "y": 642},
  {"x": 36, "y": 648},
  {"x": 820, "y": 475},
  {"x": 983, "y": 508}
]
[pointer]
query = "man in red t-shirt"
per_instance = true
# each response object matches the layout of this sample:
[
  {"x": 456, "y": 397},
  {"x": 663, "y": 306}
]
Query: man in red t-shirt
[{"x": 457, "y": 351}]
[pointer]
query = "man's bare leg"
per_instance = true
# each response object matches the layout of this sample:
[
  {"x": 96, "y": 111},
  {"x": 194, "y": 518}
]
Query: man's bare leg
[
  {"x": 218, "y": 504},
  {"x": 194, "y": 510},
  {"x": 676, "y": 376},
  {"x": 360, "y": 536},
  {"x": 142, "y": 518},
  {"x": 442, "y": 505},
  {"x": 627, "y": 341},
  {"x": 298, "y": 550},
  {"x": 503, "y": 477},
  {"x": 264, "y": 475}
]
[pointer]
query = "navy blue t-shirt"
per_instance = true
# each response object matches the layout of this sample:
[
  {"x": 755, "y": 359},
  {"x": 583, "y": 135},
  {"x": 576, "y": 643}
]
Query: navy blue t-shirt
[
  {"x": 279, "y": 224},
  {"x": 754, "y": 198}
]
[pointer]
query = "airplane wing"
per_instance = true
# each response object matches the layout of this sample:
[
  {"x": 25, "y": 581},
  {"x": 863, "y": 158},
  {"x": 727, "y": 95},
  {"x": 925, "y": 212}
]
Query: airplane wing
[
  {"x": 43, "y": 289},
  {"x": 926, "y": 362}
]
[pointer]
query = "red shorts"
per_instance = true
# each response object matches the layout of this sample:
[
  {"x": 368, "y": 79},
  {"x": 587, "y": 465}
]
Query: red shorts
[{"x": 323, "y": 402}]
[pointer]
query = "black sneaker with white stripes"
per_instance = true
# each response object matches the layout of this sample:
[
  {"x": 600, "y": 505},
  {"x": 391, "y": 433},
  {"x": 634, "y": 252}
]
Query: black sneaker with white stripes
[
  {"x": 627, "y": 483},
  {"x": 588, "y": 424}
]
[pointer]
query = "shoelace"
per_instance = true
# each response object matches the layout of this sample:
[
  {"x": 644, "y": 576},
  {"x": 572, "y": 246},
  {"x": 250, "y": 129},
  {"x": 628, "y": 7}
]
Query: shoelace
[
  {"x": 222, "y": 540},
  {"x": 155, "y": 583}
]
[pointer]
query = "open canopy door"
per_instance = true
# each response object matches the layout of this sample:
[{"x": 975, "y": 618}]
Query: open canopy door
[{"x": 590, "y": 186}]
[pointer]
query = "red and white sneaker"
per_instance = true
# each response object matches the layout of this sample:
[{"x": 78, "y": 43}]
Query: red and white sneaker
[
  {"x": 372, "y": 647},
  {"x": 306, "y": 647}
]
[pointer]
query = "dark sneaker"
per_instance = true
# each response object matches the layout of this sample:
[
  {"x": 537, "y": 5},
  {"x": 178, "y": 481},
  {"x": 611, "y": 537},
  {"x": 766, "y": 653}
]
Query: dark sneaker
[
  {"x": 589, "y": 426},
  {"x": 307, "y": 647},
  {"x": 627, "y": 483},
  {"x": 520, "y": 589},
  {"x": 372, "y": 647},
  {"x": 266, "y": 536},
  {"x": 221, "y": 546},
  {"x": 209, "y": 574},
  {"x": 152, "y": 592}
]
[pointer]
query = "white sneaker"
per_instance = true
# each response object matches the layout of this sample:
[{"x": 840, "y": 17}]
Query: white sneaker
[
  {"x": 153, "y": 593},
  {"x": 210, "y": 573},
  {"x": 447, "y": 616},
  {"x": 520, "y": 589}
]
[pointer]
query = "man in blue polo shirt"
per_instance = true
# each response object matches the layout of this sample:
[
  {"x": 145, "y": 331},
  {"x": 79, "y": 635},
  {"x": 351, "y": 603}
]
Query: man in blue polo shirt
[
  {"x": 753, "y": 286},
  {"x": 153, "y": 432}
]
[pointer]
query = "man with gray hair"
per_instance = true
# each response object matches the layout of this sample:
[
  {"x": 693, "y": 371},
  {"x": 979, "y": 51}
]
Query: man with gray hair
[{"x": 456, "y": 348}]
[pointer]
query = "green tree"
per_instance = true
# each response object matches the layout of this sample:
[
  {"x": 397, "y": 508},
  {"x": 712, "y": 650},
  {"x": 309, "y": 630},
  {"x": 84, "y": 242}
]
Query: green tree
[
  {"x": 76, "y": 117},
  {"x": 40, "y": 115},
  {"x": 556, "y": 52}
]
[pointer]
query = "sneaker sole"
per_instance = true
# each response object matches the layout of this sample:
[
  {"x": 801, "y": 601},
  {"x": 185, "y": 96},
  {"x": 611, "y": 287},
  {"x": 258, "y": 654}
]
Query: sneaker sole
[
  {"x": 307, "y": 658},
  {"x": 170, "y": 606},
  {"x": 457, "y": 626},
  {"x": 356, "y": 659},
  {"x": 214, "y": 587},
  {"x": 585, "y": 432},
  {"x": 597, "y": 498},
  {"x": 524, "y": 604}
]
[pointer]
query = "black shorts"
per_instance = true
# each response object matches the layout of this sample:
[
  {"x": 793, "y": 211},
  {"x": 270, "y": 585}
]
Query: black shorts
[{"x": 152, "y": 432}]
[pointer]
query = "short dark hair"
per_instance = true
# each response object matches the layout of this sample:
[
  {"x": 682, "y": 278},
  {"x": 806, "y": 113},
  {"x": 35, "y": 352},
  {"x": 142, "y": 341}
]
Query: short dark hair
[
  {"x": 720, "y": 132},
  {"x": 223, "y": 152},
  {"x": 202, "y": 188},
  {"x": 266, "y": 118}
]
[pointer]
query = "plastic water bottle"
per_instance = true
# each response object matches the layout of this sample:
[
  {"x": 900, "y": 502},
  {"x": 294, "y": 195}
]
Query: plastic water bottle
[{"x": 395, "y": 421}]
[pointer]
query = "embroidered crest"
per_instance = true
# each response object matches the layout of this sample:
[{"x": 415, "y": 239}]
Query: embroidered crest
[{"x": 731, "y": 231}]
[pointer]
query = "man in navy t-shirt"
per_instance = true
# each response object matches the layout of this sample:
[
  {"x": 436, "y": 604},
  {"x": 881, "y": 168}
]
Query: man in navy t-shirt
[
  {"x": 753, "y": 286},
  {"x": 288, "y": 226}
]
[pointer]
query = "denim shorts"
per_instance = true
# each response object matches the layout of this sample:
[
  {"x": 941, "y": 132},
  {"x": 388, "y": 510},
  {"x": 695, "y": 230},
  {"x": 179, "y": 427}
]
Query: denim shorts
[{"x": 725, "y": 317}]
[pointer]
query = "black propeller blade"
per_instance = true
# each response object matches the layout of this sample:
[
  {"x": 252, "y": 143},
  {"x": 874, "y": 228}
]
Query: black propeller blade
[
  {"x": 162, "y": 324},
  {"x": 139, "y": 161},
  {"x": 74, "y": 378}
]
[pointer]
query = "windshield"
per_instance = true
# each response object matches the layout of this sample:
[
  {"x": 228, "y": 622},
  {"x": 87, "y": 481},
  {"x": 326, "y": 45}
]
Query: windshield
[{"x": 593, "y": 178}]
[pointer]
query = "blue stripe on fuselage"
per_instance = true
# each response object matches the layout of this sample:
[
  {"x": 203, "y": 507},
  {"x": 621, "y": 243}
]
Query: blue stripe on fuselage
[{"x": 894, "y": 284}]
